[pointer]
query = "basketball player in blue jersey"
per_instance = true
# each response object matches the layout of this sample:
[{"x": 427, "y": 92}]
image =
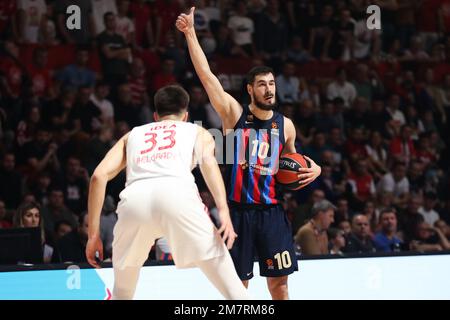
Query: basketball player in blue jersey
[{"x": 261, "y": 136}]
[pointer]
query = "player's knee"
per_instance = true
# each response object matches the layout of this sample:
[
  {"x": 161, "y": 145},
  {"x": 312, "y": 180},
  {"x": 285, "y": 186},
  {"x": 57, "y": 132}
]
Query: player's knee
[{"x": 278, "y": 284}]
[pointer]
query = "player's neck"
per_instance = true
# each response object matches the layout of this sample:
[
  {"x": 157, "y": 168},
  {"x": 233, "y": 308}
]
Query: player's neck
[
  {"x": 260, "y": 113},
  {"x": 170, "y": 118}
]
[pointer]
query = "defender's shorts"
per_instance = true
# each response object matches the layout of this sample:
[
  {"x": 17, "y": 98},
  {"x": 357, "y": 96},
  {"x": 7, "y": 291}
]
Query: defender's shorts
[{"x": 164, "y": 207}]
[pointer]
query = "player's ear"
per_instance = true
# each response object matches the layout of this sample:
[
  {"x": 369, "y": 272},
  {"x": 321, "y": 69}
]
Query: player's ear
[
  {"x": 249, "y": 89},
  {"x": 155, "y": 116}
]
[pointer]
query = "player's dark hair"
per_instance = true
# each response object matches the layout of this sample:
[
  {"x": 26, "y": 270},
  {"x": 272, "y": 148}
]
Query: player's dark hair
[
  {"x": 256, "y": 71},
  {"x": 170, "y": 100}
]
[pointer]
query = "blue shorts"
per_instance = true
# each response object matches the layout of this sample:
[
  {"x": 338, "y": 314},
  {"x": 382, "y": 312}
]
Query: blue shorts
[{"x": 265, "y": 233}]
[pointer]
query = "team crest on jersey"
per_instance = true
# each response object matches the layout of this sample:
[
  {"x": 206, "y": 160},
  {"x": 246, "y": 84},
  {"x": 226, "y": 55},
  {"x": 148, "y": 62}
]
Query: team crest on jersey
[
  {"x": 269, "y": 263},
  {"x": 243, "y": 164}
]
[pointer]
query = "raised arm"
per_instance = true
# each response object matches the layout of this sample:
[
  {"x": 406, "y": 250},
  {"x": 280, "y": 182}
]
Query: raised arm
[
  {"x": 204, "y": 154},
  {"x": 109, "y": 167},
  {"x": 225, "y": 105}
]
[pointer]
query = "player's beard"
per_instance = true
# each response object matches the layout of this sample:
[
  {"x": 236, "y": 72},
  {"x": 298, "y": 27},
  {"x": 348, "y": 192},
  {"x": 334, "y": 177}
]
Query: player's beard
[{"x": 264, "y": 106}]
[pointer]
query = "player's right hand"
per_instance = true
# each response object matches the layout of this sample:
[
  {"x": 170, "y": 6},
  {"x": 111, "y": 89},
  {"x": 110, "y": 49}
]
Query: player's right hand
[
  {"x": 185, "y": 22},
  {"x": 94, "y": 245},
  {"x": 226, "y": 228}
]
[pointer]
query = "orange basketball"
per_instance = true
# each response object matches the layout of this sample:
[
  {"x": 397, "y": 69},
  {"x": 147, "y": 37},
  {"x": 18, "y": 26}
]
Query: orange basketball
[{"x": 287, "y": 174}]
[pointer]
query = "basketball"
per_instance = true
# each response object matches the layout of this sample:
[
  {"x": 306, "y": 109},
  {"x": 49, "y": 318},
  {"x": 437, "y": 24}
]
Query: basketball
[{"x": 287, "y": 174}]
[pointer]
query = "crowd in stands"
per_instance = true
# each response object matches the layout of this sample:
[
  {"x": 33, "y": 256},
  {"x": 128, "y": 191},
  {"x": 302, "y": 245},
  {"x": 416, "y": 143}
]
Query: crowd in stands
[{"x": 371, "y": 107}]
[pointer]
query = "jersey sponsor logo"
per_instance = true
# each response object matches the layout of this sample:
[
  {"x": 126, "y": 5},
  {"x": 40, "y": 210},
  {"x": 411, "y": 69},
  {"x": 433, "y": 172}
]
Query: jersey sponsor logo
[{"x": 269, "y": 263}]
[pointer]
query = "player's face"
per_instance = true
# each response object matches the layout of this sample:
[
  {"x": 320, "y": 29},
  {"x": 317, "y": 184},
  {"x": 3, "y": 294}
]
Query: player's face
[{"x": 263, "y": 91}]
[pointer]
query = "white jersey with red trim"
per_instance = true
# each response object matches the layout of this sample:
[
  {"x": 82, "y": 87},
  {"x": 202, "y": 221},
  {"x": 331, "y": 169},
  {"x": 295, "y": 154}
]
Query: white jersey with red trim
[{"x": 161, "y": 149}]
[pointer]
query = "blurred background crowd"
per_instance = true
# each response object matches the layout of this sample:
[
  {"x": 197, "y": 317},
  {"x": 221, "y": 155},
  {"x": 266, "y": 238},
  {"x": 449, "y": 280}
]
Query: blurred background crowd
[{"x": 370, "y": 106}]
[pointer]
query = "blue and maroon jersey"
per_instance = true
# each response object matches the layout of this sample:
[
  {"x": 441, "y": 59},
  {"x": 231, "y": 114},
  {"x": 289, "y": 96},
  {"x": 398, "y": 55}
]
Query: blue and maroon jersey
[{"x": 256, "y": 151}]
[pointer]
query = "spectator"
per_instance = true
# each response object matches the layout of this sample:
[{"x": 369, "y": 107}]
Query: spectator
[
  {"x": 75, "y": 184},
  {"x": 340, "y": 87},
  {"x": 386, "y": 239},
  {"x": 4, "y": 223},
  {"x": 86, "y": 115},
  {"x": 296, "y": 51},
  {"x": 56, "y": 210},
  {"x": 429, "y": 239},
  {"x": 367, "y": 42},
  {"x": 427, "y": 211},
  {"x": 342, "y": 42},
  {"x": 96, "y": 148},
  {"x": 41, "y": 188},
  {"x": 317, "y": 145},
  {"x": 377, "y": 154},
  {"x": 114, "y": 53},
  {"x": 143, "y": 23},
  {"x": 12, "y": 76},
  {"x": 78, "y": 74},
  {"x": 443, "y": 226},
  {"x": 312, "y": 238},
  {"x": 139, "y": 87},
  {"x": 415, "y": 51},
  {"x": 26, "y": 129},
  {"x": 346, "y": 227},
  {"x": 361, "y": 182},
  {"x": 336, "y": 239},
  {"x": 12, "y": 183},
  {"x": 303, "y": 212},
  {"x": 99, "y": 99},
  {"x": 416, "y": 177},
  {"x": 8, "y": 19},
  {"x": 197, "y": 103},
  {"x": 321, "y": 33},
  {"x": 32, "y": 20},
  {"x": 395, "y": 182},
  {"x": 242, "y": 28},
  {"x": 359, "y": 241},
  {"x": 343, "y": 211},
  {"x": 41, "y": 75},
  {"x": 271, "y": 32},
  {"x": 372, "y": 214},
  {"x": 166, "y": 76},
  {"x": 124, "y": 25},
  {"x": 28, "y": 216},
  {"x": 71, "y": 247},
  {"x": 401, "y": 148},
  {"x": 125, "y": 109},
  {"x": 288, "y": 84},
  {"x": 379, "y": 117},
  {"x": 85, "y": 33},
  {"x": 62, "y": 227},
  {"x": 397, "y": 118},
  {"x": 425, "y": 152},
  {"x": 354, "y": 146},
  {"x": 99, "y": 9},
  {"x": 356, "y": 116},
  {"x": 166, "y": 12}
]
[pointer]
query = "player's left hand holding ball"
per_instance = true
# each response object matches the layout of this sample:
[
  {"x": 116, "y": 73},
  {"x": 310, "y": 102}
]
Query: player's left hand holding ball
[
  {"x": 308, "y": 175},
  {"x": 93, "y": 246}
]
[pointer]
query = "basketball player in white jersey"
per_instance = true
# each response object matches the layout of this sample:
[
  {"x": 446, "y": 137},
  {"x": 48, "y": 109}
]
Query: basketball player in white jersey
[{"x": 161, "y": 199}]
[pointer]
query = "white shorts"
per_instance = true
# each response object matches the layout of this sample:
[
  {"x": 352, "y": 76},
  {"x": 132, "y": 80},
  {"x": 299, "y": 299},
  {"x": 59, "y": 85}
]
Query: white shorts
[{"x": 164, "y": 207}]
